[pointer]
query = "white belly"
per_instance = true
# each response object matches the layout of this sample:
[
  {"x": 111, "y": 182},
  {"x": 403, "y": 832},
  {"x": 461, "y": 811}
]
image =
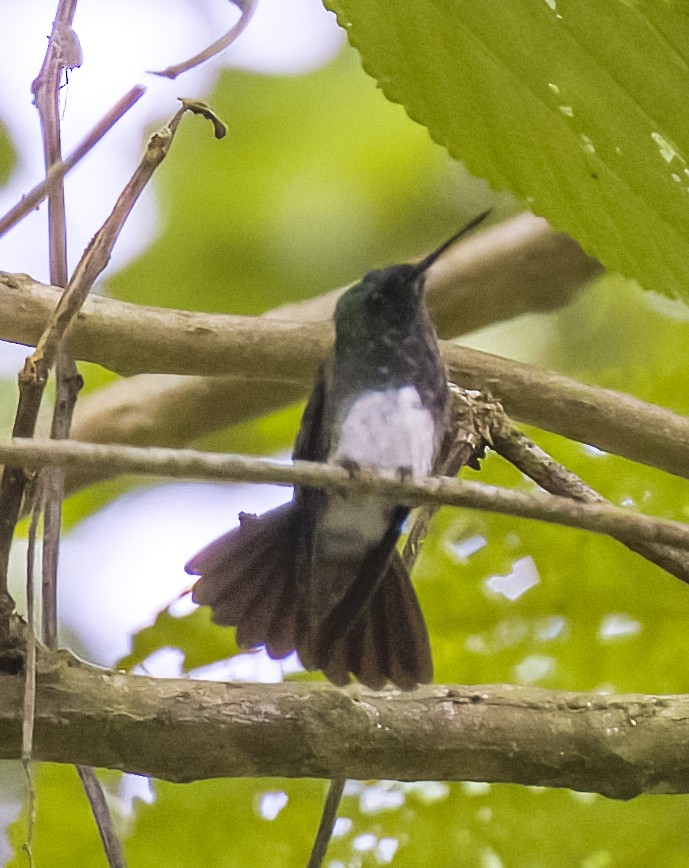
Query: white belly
[{"x": 388, "y": 431}]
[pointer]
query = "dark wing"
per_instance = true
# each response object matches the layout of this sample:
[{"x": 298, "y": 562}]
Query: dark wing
[
  {"x": 361, "y": 586},
  {"x": 313, "y": 442},
  {"x": 389, "y": 642}
]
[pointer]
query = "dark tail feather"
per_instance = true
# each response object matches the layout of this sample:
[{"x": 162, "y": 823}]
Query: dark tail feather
[
  {"x": 247, "y": 578},
  {"x": 389, "y": 642}
]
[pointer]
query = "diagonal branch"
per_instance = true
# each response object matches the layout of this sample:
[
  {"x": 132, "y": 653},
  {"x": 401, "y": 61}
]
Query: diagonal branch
[
  {"x": 58, "y": 170},
  {"x": 33, "y": 377},
  {"x": 619, "y": 746}
]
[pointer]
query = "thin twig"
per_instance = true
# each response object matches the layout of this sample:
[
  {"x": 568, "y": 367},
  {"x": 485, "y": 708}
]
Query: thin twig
[
  {"x": 464, "y": 444},
  {"x": 554, "y": 478},
  {"x": 68, "y": 384},
  {"x": 327, "y": 823},
  {"x": 101, "y": 814},
  {"x": 29, "y": 706},
  {"x": 189, "y": 464},
  {"x": 247, "y": 8},
  {"x": 64, "y": 52},
  {"x": 34, "y": 375},
  {"x": 57, "y": 171}
]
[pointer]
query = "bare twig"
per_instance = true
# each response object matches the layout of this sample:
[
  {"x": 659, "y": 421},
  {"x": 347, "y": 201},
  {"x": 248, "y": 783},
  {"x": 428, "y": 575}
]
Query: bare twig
[
  {"x": 29, "y": 704},
  {"x": 37, "y": 367},
  {"x": 553, "y": 477},
  {"x": 64, "y": 52},
  {"x": 247, "y": 8},
  {"x": 58, "y": 170},
  {"x": 465, "y": 443},
  {"x": 101, "y": 814},
  {"x": 68, "y": 384},
  {"x": 188, "y": 464},
  {"x": 327, "y": 822}
]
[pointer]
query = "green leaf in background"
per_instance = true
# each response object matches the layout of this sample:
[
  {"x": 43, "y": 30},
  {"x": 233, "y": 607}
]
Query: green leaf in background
[
  {"x": 317, "y": 181},
  {"x": 7, "y": 156},
  {"x": 227, "y": 824},
  {"x": 271, "y": 822},
  {"x": 64, "y": 836},
  {"x": 573, "y": 105},
  {"x": 200, "y": 640}
]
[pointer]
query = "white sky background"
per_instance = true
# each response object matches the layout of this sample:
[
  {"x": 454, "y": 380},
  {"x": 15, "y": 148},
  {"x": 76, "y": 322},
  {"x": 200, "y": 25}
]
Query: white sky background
[
  {"x": 121, "y": 39},
  {"x": 122, "y": 565}
]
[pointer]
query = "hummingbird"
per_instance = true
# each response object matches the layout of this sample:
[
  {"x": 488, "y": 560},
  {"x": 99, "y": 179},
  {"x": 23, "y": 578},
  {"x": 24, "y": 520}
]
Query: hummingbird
[{"x": 321, "y": 575}]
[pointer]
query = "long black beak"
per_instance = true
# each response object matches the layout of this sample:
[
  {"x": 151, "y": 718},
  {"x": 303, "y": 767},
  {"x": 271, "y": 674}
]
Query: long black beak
[{"x": 426, "y": 263}]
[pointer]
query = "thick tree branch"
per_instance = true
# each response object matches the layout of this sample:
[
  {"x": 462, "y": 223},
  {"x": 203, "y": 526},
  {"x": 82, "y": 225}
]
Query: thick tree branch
[
  {"x": 262, "y": 349},
  {"x": 183, "y": 730},
  {"x": 186, "y": 463},
  {"x": 517, "y": 267}
]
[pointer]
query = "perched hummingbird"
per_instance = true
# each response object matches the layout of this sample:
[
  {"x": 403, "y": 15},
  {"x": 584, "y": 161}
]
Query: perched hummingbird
[{"x": 321, "y": 574}]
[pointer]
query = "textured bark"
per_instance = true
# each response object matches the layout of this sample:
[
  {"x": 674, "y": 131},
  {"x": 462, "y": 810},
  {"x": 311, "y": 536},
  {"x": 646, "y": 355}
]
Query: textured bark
[
  {"x": 516, "y": 267},
  {"x": 598, "y": 517},
  {"x": 182, "y": 730}
]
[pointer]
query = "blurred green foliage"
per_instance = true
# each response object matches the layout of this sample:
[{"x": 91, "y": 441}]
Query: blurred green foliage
[
  {"x": 317, "y": 181},
  {"x": 200, "y": 641},
  {"x": 7, "y": 155},
  {"x": 320, "y": 179}
]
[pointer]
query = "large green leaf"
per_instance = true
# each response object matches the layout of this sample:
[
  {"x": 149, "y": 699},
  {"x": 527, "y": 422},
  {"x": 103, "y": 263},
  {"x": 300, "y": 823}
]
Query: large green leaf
[{"x": 576, "y": 106}]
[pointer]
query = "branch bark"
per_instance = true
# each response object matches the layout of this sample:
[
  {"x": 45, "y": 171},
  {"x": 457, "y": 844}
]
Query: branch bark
[
  {"x": 186, "y": 463},
  {"x": 518, "y": 266},
  {"x": 262, "y": 351},
  {"x": 183, "y": 730}
]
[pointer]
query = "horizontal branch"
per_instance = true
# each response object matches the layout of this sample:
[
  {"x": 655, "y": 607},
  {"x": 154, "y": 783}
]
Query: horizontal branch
[
  {"x": 186, "y": 463},
  {"x": 516, "y": 267},
  {"x": 267, "y": 349},
  {"x": 468, "y": 288},
  {"x": 176, "y": 410},
  {"x": 183, "y": 730}
]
